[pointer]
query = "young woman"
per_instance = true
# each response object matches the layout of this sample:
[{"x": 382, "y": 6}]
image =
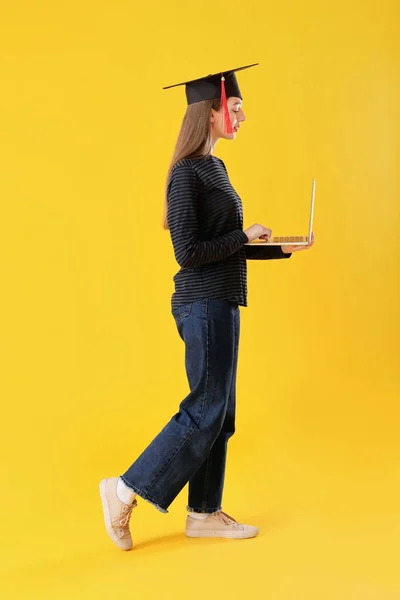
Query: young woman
[{"x": 204, "y": 215}]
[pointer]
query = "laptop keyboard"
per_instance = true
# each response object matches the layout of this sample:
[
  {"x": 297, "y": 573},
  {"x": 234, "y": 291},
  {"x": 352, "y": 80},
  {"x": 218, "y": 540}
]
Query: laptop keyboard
[{"x": 290, "y": 238}]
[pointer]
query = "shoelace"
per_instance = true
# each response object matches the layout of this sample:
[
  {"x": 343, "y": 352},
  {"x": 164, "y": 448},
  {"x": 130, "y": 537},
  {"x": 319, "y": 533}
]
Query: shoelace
[
  {"x": 121, "y": 525},
  {"x": 227, "y": 519}
]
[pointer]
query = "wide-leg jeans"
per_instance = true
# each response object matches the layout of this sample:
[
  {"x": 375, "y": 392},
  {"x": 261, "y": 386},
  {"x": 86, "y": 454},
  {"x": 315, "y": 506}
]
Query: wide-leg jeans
[{"x": 192, "y": 447}]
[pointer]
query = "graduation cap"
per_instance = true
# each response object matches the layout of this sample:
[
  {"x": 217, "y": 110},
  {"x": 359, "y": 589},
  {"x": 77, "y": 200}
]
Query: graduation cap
[{"x": 216, "y": 85}]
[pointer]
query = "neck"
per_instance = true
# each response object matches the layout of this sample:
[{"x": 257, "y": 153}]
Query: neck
[{"x": 214, "y": 140}]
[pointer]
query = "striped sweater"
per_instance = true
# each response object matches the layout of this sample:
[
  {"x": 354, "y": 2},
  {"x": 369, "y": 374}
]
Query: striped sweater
[{"x": 205, "y": 218}]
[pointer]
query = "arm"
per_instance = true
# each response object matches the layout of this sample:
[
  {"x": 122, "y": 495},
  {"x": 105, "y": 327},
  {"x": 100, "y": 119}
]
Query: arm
[
  {"x": 265, "y": 252},
  {"x": 182, "y": 218}
]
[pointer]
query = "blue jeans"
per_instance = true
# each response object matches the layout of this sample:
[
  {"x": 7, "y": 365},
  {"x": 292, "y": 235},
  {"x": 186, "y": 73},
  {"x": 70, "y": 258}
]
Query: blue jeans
[{"x": 192, "y": 446}]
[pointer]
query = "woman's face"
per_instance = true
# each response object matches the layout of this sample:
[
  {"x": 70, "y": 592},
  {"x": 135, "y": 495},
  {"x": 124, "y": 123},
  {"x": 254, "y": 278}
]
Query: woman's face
[{"x": 236, "y": 114}]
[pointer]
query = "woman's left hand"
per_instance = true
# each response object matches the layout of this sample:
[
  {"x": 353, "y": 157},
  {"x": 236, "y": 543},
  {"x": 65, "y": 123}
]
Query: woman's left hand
[{"x": 290, "y": 249}]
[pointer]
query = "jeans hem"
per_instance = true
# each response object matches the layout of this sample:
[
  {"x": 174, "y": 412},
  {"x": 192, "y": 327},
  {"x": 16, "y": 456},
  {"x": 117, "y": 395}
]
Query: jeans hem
[
  {"x": 143, "y": 495},
  {"x": 203, "y": 510}
]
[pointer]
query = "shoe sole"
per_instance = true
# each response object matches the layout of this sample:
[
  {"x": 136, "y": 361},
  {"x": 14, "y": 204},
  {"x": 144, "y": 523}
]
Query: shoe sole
[
  {"x": 213, "y": 533},
  {"x": 107, "y": 515}
]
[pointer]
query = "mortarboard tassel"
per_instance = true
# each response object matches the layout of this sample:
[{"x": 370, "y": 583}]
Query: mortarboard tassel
[{"x": 225, "y": 110}]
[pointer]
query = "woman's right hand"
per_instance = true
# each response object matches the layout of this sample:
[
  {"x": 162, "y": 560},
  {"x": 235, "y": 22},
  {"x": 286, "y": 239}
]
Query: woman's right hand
[{"x": 256, "y": 231}]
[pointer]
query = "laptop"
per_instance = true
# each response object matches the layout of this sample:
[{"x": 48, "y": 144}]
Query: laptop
[{"x": 290, "y": 240}]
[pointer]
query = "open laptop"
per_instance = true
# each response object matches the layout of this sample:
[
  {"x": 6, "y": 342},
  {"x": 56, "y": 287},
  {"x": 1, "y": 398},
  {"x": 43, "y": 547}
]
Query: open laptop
[{"x": 290, "y": 240}]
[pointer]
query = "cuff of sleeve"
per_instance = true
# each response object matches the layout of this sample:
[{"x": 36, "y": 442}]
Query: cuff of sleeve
[
  {"x": 284, "y": 254},
  {"x": 243, "y": 236}
]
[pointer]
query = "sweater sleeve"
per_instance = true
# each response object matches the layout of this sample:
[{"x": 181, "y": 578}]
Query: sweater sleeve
[
  {"x": 182, "y": 216},
  {"x": 265, "y": 252}
]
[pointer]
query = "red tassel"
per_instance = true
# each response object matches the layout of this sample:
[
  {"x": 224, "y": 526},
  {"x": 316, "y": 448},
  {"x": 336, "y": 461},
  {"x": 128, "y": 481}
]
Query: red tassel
[{"x": 225, "y": 110}]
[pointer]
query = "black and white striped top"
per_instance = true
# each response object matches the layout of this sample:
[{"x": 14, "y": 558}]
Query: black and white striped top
[{"x": 205, "y": 217}]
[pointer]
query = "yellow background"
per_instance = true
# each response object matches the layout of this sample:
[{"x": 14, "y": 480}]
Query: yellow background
[{"x": 91, "y": 362}]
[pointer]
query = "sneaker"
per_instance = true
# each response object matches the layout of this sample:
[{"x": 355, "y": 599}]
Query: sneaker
[
  {"x": 116, "y": 514},
  {"x": 218, "y": 524}
]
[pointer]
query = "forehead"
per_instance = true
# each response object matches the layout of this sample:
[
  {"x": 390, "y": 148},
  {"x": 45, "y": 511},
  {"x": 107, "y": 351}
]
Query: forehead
[{"x": 235, "y": 100}]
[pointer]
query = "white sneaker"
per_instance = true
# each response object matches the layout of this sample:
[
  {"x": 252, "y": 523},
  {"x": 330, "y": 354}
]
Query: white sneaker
[
  {"x": 218, "y": 524},
  {"x": 116, "y": 514}
]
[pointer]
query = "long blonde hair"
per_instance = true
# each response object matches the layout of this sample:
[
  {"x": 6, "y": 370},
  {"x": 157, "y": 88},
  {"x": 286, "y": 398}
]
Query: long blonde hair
[{"x": 194, "y": 139}]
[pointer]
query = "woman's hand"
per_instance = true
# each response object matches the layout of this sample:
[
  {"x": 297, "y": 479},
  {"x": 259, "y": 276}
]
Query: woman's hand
[
  {"x": 258, "y": 231},
  {"x": 290, "y": 249}
]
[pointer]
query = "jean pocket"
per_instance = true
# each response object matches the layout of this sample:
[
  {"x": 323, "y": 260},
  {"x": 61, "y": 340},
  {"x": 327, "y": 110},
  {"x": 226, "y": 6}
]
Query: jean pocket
[
  {"x": 233, "y": 303},
  {"x": 182, "y": 311}
]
